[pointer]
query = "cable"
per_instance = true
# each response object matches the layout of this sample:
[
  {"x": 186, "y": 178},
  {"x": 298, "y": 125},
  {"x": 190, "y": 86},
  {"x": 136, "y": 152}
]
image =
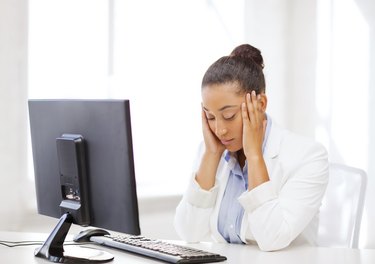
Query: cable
[
  {"x": 36, "y": 243},
  {"x": 19, "y": 243}
]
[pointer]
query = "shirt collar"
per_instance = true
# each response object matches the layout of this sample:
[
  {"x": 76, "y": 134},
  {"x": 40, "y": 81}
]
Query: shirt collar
[{"x": 227, "y": 155}]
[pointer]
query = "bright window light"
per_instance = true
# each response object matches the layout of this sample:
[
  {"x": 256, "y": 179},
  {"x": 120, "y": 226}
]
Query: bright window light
[
  {"x": 151, "y": 52},
  {"x": 343, "y": 84}
]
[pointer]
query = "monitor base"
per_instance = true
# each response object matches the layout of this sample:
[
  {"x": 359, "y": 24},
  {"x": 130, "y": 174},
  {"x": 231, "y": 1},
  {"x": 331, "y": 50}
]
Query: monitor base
[{"x": 53, "y": 248}]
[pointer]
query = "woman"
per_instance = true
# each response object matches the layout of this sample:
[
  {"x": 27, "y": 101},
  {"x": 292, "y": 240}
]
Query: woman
[{"x": 254, "y": 182}]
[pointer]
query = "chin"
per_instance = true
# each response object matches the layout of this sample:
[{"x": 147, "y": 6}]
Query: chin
[{"x": 233, "y": 148}]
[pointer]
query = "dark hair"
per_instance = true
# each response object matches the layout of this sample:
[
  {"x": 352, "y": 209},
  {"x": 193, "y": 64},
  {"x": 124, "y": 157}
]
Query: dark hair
[{"x": 244, "y": 65}]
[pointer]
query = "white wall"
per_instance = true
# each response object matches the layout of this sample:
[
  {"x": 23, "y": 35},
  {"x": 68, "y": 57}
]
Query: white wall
[
  {"x": 286, "y": 34},
  {"x": 367, "y": 10},
  {"x": 15, "y": 189},
  {"x": 320, "y": 60}
]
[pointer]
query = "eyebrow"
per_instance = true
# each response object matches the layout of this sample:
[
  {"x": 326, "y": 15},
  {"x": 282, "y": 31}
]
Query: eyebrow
[{"x": 223, "y": 108}]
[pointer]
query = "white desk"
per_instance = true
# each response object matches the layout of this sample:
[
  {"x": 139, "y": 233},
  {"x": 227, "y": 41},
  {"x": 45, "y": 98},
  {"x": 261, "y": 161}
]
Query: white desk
[{"x": 236, "y": 254}]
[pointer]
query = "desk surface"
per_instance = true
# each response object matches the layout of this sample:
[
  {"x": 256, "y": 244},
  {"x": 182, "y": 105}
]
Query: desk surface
[{"x": 236, "y": 254}]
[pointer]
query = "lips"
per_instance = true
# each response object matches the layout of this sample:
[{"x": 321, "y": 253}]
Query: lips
[{"x": 226, "y": 142}]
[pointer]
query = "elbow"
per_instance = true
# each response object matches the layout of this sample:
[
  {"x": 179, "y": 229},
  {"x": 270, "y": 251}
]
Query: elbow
[
  {"x": 185, "y": 235},
  {"x": 188, "y": 238},
  {"x": 276, "y": 241},
  {"x": 272, "y": 245},
  {"x": 185, "y": 232}
]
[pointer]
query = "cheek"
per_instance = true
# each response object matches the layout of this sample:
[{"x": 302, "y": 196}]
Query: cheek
[
  {"x": 237, "y": 127},
  {"x": 235, "y": 130},
  {"x": 212, "y": 126}
]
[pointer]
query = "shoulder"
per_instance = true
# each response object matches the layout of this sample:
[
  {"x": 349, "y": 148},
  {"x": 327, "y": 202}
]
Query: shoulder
[
  {"x": 291, "y": 142},
  {"x": 298, "y": 158},
  {"x": 295, "y": 151}
]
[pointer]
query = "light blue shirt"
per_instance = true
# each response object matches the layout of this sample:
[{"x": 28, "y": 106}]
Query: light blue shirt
[{"x": 231, "y": 211}]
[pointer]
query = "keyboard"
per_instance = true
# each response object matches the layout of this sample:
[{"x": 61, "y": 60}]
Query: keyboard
[{"x": 157, "y": 249}]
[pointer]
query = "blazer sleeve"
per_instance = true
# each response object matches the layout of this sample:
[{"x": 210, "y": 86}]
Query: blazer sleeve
[
  {"x": 279, "y": 210},
  {"x": 191, "y": 220},
  {"x": 193, "y": 213}
]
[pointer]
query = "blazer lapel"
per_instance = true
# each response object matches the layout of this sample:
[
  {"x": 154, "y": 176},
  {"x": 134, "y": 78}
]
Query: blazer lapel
[{"x": 272, "y": 148}]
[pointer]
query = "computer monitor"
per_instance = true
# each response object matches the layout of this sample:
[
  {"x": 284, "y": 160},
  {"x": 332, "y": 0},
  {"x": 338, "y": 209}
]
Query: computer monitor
[{"x": 83, "y": 166}]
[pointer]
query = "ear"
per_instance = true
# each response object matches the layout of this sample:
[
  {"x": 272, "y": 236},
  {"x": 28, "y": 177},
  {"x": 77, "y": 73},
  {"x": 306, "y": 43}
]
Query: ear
[{"x": 263, "y": 102}]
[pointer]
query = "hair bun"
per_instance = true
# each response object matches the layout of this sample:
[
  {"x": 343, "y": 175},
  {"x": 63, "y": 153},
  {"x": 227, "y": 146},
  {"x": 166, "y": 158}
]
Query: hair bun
[{"x": 248, "y": 52}]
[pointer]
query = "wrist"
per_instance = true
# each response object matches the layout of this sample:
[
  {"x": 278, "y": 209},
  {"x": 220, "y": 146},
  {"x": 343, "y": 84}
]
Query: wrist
[
  {"x": 253, "y": 153},
  {"x": 254, "y": 158},
  {"x": 207, "y": 170},
  {"x": 209, "y": 155}
]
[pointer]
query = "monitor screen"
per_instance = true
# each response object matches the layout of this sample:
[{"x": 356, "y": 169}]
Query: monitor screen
[{"x": 92, "y": 138}]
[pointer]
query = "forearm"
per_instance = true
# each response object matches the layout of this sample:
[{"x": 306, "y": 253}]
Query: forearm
[
  {"x": 257, "y": 171},
  {"x": 206, "y": 173},
  {"x": 194, "y": 211},
  {"x": 278, "y": 215},
  {"x": 274, "y": 227}
]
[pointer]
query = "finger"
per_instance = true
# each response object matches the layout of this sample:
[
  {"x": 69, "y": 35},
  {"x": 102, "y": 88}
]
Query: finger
[
  {"x": 203, "y": 115},
  {"x": 204, "y": 118},
  {"x": 254, "y": 99},
  {"x": 250, "y": 108},
  {"x": 258, "y": 111},
  {"x": 245, "y": 116},
  {"x": 259, "y": 97},
  {"x": 208, "y": 135}
]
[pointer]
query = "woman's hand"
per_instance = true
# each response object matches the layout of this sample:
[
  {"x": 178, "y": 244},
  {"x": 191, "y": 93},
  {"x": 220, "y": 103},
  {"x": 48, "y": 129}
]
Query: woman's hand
[
  {"x": 207, "y": 170},
  {"x": 212, "y": 143},
  {"x": 254, "y": 124}
]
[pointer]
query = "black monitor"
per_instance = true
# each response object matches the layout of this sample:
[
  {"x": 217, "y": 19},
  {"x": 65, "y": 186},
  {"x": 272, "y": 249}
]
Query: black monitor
[{"x": 84, "y": 167}]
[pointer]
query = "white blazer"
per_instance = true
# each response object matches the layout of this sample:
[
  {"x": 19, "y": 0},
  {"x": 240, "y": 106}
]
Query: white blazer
[{"x": 277, "y": 212}]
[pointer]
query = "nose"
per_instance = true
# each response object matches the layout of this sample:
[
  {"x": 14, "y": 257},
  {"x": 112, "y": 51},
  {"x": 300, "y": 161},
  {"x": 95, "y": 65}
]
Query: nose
[{"x": 220, "y": 130}]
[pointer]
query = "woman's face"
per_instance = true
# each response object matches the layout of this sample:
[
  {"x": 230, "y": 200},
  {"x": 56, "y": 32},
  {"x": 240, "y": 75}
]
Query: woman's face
[{"x": 222, "y": 106}]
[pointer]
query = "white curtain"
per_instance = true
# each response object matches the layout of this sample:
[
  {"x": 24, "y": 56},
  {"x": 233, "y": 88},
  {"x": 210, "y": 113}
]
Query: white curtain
[
  {"x": 319, "y": 58},
  {"x": 16, "y": 189}
]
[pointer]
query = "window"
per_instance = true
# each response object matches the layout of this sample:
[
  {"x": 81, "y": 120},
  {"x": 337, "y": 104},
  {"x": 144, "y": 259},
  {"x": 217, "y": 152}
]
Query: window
[{"x": 151, "y": 52}]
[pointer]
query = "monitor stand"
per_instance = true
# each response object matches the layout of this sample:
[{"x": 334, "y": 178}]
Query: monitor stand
[{"x": 53, "y": 248}]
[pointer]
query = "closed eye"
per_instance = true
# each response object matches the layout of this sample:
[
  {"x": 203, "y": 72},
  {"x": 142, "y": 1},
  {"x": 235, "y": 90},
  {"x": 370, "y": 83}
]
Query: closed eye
[
  {"x": 230, "y": 117},
  {"x": 210, "y": 118}
]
